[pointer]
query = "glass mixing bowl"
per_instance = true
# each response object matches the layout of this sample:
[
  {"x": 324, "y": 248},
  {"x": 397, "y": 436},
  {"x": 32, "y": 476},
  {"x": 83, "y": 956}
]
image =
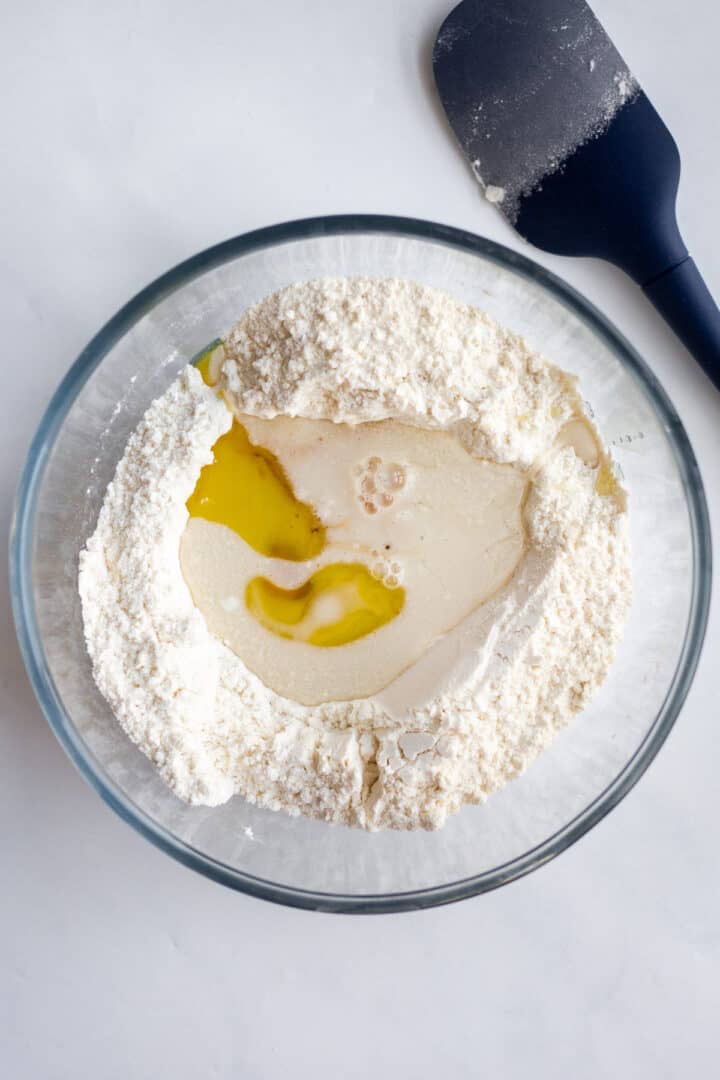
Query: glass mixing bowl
[{"x": 592, "y": 764}]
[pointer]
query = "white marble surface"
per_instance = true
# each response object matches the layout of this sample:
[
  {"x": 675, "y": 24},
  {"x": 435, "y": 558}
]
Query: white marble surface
[{"x": 134, "y": 135}]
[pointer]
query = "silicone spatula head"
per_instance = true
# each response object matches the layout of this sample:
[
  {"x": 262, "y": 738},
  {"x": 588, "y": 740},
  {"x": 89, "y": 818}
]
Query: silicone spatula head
[
  {"x": 568, "y": 147},
  {"x": 550, "y": 117}
]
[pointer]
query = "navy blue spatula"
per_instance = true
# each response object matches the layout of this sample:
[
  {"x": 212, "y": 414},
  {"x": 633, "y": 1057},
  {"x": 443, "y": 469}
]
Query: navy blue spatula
[{"x": 568, "y": 146}]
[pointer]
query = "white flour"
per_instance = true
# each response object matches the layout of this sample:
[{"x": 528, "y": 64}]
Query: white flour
[{"x": 487, "y": 698}]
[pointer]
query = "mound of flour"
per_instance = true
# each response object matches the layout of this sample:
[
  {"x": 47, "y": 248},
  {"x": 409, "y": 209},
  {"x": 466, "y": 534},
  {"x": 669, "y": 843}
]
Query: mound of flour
[{"x": 488, "y": 697}]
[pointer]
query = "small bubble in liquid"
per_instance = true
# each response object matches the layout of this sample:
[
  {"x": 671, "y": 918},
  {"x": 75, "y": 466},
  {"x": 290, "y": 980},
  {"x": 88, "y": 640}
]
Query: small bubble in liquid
[
  {"x": 385, "y": 499},
  {"x": 391, "y": 581},
  {"x": 368, "y": 486},
  {"x": 377, "y": 570},
  {"x": 395, "y": 567},
  {"x": 370, "y": 507},
  {"x": 397, "y": 477},
  {"x": 374, "y": 464}
]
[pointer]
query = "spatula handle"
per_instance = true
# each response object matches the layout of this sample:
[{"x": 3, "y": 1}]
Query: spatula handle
[{"x": 684, "y": 301}]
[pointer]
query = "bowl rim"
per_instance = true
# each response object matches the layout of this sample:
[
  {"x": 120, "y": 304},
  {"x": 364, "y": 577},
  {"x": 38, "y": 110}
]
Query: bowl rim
[{"x": 22, "y": 594}]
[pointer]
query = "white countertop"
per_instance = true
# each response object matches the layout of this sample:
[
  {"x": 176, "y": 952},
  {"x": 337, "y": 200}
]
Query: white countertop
[{"x": 137, "y": 134}]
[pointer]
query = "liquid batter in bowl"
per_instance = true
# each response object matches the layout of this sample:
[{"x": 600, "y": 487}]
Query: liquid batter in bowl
[{"x": 413, "y": 533}]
